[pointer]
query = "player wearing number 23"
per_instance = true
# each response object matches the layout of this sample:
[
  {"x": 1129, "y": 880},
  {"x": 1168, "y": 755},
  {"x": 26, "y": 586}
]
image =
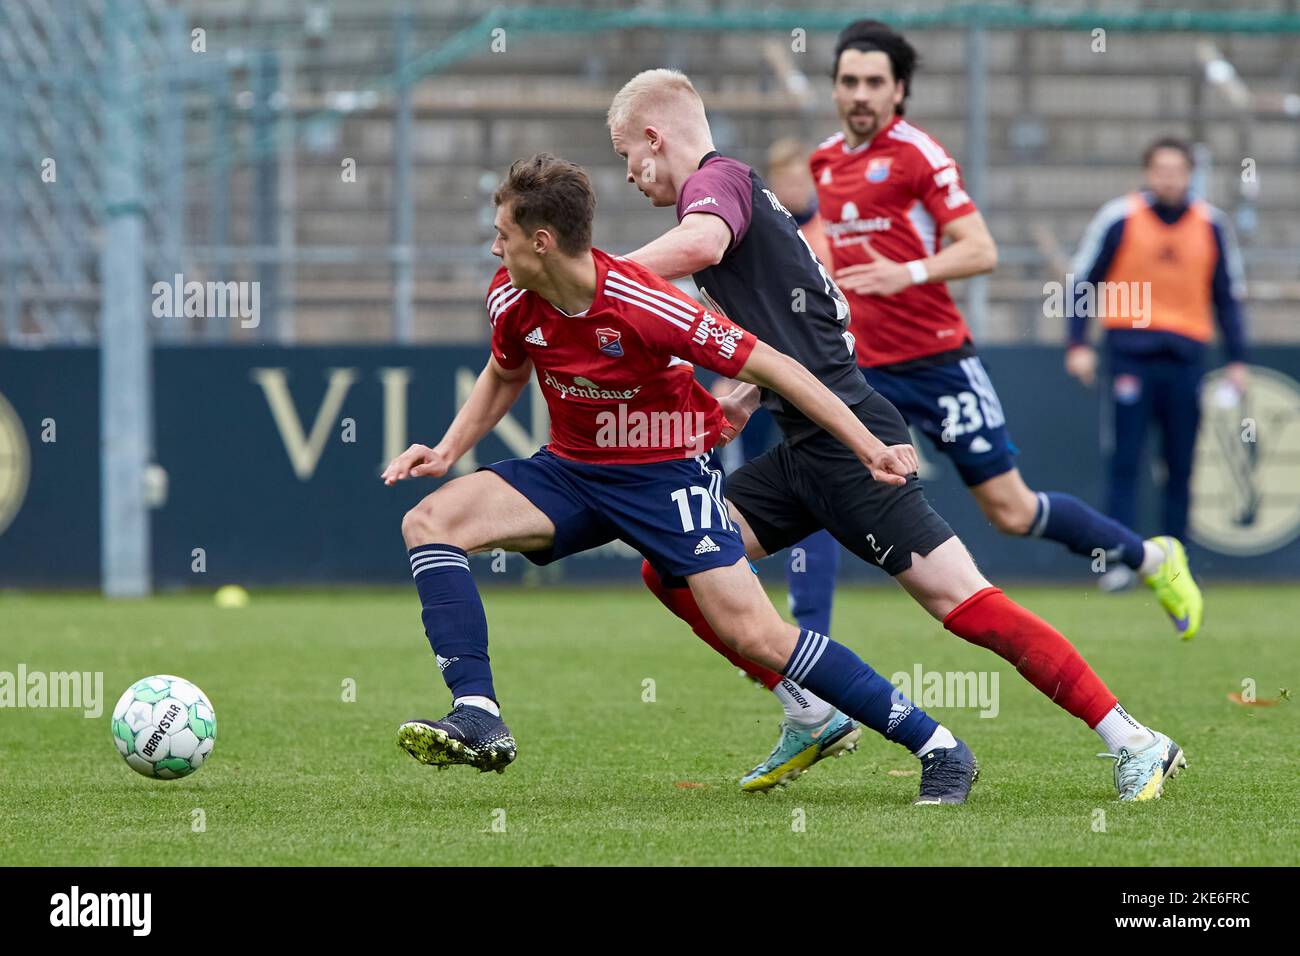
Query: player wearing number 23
[{"x": 890, "y": 195}]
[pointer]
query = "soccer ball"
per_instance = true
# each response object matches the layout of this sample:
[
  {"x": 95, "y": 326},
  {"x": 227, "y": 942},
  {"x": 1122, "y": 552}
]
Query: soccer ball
[{"x": 164, "y": 727}]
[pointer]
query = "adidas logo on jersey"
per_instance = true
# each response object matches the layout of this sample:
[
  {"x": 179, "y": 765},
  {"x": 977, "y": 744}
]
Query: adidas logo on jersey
[
  {"x": 826, "y": 176},
  {"x": 535, "y": 337},
  {"x": 979, "y": 444},
  {"x": 706, "y": 546}
]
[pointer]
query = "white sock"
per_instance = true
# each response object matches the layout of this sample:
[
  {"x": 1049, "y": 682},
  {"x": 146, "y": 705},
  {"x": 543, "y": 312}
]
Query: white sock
[
  {"x": 1118, "y": 730},
  {"x": 802, "y": 706},
  {"x": 942, "y": 737},
  {"x": 486, "y": 703},
  {"x": 1152, "y": 557}
]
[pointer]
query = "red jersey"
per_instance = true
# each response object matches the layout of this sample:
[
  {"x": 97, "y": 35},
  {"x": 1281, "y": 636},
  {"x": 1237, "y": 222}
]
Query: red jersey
[
  {"x": 896, "y": 191},
  {"x": 618, "y": 377}
]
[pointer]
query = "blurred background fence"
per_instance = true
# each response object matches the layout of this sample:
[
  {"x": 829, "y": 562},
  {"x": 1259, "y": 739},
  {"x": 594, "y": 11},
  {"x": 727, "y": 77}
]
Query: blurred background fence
[
  {"x": 338, "y": 157},
  {"x": 342, "y": 152}
]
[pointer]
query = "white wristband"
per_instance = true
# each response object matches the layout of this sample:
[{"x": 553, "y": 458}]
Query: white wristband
[{"x": 919, "y": 274}]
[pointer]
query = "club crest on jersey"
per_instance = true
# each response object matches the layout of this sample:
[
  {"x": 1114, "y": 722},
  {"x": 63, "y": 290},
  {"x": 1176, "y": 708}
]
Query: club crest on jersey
[
  {"x": 878, "y": 169},
  {"x": 608, "y": 340}
]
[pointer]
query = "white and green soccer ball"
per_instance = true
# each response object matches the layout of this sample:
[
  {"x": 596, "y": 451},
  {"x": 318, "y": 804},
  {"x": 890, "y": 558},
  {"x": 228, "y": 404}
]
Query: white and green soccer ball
[{"x": 164, "y": 727}]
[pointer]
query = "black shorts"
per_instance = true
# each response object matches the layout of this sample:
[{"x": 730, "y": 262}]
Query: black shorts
[{"x": 794, "y": 490}]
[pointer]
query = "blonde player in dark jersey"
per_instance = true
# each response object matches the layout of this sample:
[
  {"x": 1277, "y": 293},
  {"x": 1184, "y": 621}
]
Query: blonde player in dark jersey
[{"x": 745, "y": 253}]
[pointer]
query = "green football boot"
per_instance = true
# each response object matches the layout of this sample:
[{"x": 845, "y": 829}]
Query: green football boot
[{"x": 1175, "y": 588}]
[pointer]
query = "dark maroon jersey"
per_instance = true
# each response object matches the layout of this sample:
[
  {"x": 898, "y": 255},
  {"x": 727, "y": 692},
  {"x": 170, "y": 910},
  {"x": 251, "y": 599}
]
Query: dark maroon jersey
[{"x": 771, "y": 283}]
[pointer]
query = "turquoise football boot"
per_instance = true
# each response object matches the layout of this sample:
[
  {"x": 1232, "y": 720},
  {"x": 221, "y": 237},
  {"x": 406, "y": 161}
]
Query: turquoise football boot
[{"x": 799, "y": 748}]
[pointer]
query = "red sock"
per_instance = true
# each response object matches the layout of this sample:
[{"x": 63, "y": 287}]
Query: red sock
[
  {"x": 1042, "y": 656},
  {"x": 682, "y": 603}
]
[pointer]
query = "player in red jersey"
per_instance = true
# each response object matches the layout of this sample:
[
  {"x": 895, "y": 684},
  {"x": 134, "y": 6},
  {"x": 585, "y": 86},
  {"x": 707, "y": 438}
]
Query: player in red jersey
[
  {"x": 890, "y": 195},
  {"x": 628, "y": 459}
]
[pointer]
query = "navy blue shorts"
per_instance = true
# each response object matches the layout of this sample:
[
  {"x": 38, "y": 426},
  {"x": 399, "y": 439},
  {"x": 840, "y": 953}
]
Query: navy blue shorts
[
  {"x": 673, "y": 512},
  {"x": 956, "y": 407}
]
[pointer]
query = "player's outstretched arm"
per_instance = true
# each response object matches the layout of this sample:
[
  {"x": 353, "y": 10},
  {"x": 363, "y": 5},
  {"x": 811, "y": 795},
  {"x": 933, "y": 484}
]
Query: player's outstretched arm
[
  {"x": 496, "y": 390},
  {"x": 768, "y": 368},
  {"x": 700, "y": 240}
]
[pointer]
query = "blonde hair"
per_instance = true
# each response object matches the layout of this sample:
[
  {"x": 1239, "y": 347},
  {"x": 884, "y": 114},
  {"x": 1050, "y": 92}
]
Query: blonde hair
[{"x": 667, "y": 96}]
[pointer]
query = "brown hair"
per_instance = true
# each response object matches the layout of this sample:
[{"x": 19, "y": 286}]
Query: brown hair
[
  {"x": 1167, "y": 142},
  {"x": 872, "y": 35},
  {"x": 546, "y": 192}
]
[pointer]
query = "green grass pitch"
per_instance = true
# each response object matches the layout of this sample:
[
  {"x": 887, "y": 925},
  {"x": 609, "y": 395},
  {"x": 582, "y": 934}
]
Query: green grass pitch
[{"x": 301, "y": 776}]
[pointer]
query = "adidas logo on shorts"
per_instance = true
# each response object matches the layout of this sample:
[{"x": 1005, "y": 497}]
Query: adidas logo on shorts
[
  {"x": 535, "y": 337},
  {"x": 706, "y": 546}
]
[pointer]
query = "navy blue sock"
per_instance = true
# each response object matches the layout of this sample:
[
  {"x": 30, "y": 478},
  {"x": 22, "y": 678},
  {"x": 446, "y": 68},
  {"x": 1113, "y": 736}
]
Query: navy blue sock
[
  {"x": 812, "y": 581},
  {"x": 453, "y": 617},
  {"x": 836, "y": 674},
  {"x": 1083, "y": 529}
]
